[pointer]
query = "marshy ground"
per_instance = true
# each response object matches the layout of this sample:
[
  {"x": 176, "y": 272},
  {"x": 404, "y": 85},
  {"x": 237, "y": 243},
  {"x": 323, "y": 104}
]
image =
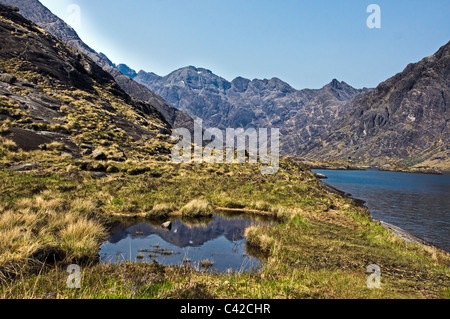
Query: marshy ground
[{"x": 320, "y": 246}]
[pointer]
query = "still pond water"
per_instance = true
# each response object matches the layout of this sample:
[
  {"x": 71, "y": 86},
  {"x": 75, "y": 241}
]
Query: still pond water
[
  {"x": 219, "y": 240},
  {"x": 418, "y": 203}
]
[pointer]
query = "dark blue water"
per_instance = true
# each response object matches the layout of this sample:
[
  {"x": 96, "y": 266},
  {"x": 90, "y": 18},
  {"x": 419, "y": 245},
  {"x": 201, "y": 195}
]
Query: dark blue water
[{"x": 418, "y": 203}]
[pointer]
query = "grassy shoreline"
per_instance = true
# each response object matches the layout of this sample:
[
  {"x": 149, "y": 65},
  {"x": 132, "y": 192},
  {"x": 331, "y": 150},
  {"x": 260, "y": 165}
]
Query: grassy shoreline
[{"x": 320, "y": 248}]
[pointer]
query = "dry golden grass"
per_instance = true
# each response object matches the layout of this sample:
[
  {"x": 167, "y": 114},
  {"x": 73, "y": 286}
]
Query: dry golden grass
[
  {"x": 257, "y": 236},
  {"x": 8, "y": 144},
  {"x": 45, "y": 221},
  {"x": 162, "y": 210},
  {"x": 197, "y": 208},
  {"x": 81, "y": 238},
  {"x": 55, "y": 146}
]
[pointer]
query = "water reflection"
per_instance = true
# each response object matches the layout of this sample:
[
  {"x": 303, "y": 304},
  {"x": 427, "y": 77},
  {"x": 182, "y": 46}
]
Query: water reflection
[{"x": 219, "y": 239}]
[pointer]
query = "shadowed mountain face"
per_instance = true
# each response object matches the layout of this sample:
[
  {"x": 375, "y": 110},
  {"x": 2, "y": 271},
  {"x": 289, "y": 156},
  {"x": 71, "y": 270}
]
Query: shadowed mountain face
[
  {"x": 39, "y": 14},
  {"x": 257, "y": 103},
  {"x": 406, "y": 118},
  {"x": 50, "y": 92}
]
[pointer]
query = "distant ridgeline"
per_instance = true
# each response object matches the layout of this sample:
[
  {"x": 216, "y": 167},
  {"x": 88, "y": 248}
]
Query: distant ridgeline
[{"x": 402, "y": 123}]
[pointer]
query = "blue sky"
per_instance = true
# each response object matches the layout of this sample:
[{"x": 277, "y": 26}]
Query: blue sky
[{"x": 305, "y": 43}]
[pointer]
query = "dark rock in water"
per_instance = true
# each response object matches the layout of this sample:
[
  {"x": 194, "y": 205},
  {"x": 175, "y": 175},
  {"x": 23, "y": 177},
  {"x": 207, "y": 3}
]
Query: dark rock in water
[
  {"x": 100, "y": 156},
  {"x": 24, "y": 167}
]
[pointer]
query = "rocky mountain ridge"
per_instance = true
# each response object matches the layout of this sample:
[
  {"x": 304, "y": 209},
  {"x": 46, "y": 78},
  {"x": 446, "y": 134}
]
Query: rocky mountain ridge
[
  {"x": 39, "y": 14},
  {"x": 405, "y": 120},
  {"x": 300, "y": 114},
  {"x": 54, "y": 97}
]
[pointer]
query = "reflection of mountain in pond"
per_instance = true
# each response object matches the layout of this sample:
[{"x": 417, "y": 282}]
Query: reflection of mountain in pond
[{"x": 184, "y": 235}]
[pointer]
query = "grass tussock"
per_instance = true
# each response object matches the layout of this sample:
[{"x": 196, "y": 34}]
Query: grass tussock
[
  {"x": 257, "y": 237},
  {"x": 8, "y": 145},
  {"x": 37, "y": 223},
  {"x": 161, "y": 210},
  {"x": 197, "y": 208}
]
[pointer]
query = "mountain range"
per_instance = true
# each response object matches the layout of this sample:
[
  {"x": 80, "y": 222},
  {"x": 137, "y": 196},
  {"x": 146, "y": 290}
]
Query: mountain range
[
  {"x": 300, "y": 114},
  {"x": 404, "y": 121}
]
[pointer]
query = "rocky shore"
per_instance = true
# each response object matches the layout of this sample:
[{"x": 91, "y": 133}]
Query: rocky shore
[{"x": 397, "y": 231}]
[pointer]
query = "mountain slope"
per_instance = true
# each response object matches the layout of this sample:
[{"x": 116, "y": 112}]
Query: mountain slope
[
  {"x": 39, "y": 14},
  {"x": 257, "y": 103},
  {"x": 405, "y": 119},
  {"x": 50, "y": 92}
]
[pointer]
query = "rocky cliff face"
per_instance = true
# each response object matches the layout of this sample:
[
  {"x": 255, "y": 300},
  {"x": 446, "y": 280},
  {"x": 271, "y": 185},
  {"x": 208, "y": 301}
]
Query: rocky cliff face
[
  {"x": 253, "y": 103},
  {"x": 405, "y": 119},
  {"x": 39, "y": 14},
  {"x": 50, "y": 92}
]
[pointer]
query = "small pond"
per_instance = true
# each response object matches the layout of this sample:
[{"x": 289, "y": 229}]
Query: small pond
[{"x": 218, "y": 240}]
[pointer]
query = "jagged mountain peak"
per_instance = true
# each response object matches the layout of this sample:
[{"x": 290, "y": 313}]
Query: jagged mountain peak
[
  {"x": 404, "y": 119},
  {"x": 251, "y": 103},
  {"x": 126, "y": 70},
  {"x": 274, "y": 84},
  {"x": 240, "y": 84},
  {"x": 190, "y": 71}
]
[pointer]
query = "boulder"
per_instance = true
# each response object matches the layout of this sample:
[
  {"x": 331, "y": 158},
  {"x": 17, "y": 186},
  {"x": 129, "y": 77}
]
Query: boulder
[
  {"x": 320, "y": 176},
  {"x": 138, "y": 171},
  {"x": 98, "y": 175},
  {"x": 119, "y": 157},
  {"x": 7, "y": 78},
  {"x": 167, "y": 225},
  {"x": 86, "y": 152},
  {"x": 112, "y": 169},
  {"x": 86, "y": 146},
  {"x": 24, "y": 167},
  {"x": 100, "y": 156}
]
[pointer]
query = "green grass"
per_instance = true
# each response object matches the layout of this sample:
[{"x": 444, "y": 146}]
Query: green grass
[{"x": 319, "y": 248}]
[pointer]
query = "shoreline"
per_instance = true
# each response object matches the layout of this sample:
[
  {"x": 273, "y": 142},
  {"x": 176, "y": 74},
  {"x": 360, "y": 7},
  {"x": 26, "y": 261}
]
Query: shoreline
[
  {"x": 380, "y": 169},
  {"x": 397, "y": 231}
]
